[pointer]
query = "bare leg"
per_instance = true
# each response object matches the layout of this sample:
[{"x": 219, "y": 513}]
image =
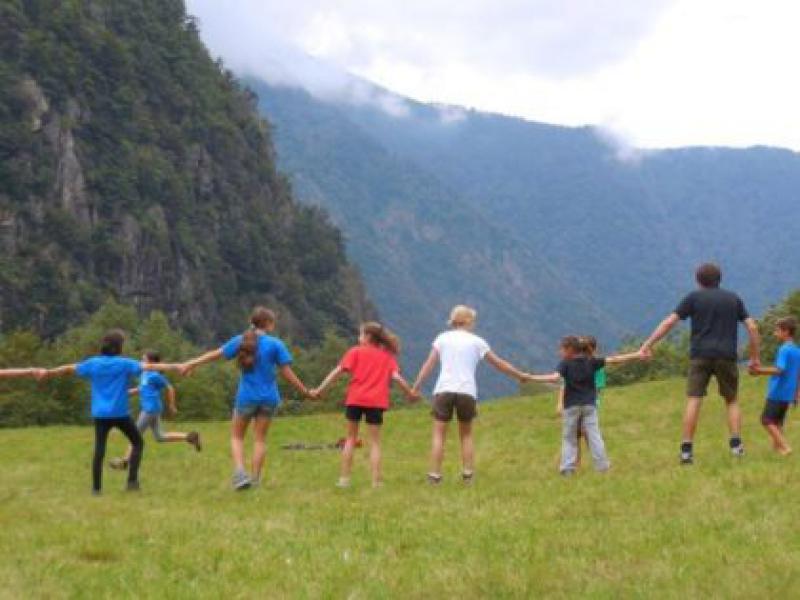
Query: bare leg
[
  {"x": 467, "y": 446},
  {"x": 691, "y": 417},
  {"x": 437, "y": 446},
  {"x": 348, "y": 451},
  {"x": 238, "y": 431},
  {"x": 375, "y": 454},
  {"x": 778, "y": 441},
  {"x": 734, "y": 417},
  {"x": 260, "y": 428}
]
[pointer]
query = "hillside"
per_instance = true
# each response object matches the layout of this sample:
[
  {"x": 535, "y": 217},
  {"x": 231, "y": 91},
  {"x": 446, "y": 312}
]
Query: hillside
[
  {"x": 134, "y": 166},
  {"x": 609, "y": 238},
  {"x": 649, "y": 528}
]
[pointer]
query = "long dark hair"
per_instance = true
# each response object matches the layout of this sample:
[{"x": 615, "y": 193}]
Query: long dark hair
[
  {"x": 260, "y": 318},
  {"x": 381, "y": 336}
]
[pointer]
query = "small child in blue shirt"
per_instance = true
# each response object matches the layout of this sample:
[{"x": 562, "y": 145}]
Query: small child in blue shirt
[
  {"x": 783, "y": 383},
  {"x": 151, "y": 387},
  {"x": 109, "y": 375}
]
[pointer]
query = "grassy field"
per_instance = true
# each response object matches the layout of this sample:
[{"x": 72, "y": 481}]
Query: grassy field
[{"x": 649, "y": 528}]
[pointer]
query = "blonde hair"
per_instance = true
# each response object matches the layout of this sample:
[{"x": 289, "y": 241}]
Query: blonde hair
[{"x": 462, "y": 316}]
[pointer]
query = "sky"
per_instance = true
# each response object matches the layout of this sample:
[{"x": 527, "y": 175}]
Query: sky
[{"x": 655, "y": 73}]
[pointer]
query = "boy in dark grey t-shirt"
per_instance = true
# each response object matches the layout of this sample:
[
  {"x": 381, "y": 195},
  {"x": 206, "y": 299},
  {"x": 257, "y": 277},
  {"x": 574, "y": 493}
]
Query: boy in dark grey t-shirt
[{"x": 715, "y": 314}]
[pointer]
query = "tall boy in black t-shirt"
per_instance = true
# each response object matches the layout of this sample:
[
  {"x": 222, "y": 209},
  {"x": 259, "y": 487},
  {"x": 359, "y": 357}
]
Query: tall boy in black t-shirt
[
  {"x": 715, "y": 315},
  {"x": 577, "y": 369}
]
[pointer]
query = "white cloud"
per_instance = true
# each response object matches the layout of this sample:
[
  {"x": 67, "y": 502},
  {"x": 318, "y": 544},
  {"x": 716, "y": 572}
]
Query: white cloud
[{"x": 666, "y": 72}]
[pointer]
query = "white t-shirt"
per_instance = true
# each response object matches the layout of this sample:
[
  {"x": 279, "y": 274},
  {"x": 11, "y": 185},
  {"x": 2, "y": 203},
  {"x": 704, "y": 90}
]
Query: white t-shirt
[{"x": 460, "y": 351}]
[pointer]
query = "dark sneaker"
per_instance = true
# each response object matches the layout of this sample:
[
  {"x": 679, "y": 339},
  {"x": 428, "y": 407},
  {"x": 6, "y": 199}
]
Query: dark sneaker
[
  {"x": 434, "y": 478},
  {"x": 118, "y": 464},
  {"x": 97, "y": 493},
  {"x": 468, "y": 477},
  {"x": 133, "y": 486},
  {"x": 567, "y": 472},
  {"x": 193, "y": 438},
  {"x": 241, "y": 481},
  {"x": 687, "y": 458}
]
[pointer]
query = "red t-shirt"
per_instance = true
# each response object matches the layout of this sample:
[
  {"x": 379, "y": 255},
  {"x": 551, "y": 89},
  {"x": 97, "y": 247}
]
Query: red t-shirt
[{"x": 371, "y": 369}]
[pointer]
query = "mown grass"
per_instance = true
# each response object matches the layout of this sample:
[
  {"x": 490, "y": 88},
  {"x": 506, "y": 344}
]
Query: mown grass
[{"x": 649, "y": 528}]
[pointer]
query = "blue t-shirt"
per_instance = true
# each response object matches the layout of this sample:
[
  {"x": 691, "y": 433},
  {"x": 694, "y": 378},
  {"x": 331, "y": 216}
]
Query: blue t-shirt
[
  {"x": 150, "y": 385},
  {"x": 782, "y": 388},
  {"x": 109, "y": 377},
  {"x": 258, "y": 385}
]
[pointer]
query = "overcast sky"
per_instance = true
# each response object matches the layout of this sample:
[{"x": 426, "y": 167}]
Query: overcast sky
[{"x": 660, "y": 73}]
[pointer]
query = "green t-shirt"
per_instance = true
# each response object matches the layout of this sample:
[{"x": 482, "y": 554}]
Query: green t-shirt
[{"x": 600, "y": 383}]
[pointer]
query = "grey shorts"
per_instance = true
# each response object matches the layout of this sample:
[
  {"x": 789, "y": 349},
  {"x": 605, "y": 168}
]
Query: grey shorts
[
  {"x": 249, "y": 411},
  {"x": 152, "y": 421},
  {"x": 445, "y": 404}
]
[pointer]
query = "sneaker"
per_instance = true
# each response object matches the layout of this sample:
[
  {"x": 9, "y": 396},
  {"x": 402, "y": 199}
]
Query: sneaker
[
  {"x": 97, "y": 493},
  {"x": 467, "y": 477},
  {"x": 241, "y": 481},
  {"x": 133, "y": 486},
  {"x": 434, "y": 478},
  {"x": 738, "y": 451},
  {"x": 567, "y": 472},
  {"x": 686, "y": 458},
  {"x": 343, "y": 483},
  {"x": 118, "y": 464},
  {"x": 193, "y": 438}
]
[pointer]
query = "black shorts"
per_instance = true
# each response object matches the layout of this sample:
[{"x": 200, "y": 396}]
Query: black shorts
[
  {"x": 373, "y": 416},
  {"x": 725, "y": 371},
  {"x": 774, "y": 413}
]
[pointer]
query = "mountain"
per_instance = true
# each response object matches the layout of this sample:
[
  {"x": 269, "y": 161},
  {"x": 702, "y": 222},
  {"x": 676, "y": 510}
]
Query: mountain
[
  {"x": 132, "y": 165},
  {"x": 574, "y": 234},
  {"x": 421, "y": 249}
]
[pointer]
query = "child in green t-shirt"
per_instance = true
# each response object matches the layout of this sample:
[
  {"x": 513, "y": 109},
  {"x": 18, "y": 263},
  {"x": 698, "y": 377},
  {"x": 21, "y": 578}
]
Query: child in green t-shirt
[{"x": 589, "y": 346}]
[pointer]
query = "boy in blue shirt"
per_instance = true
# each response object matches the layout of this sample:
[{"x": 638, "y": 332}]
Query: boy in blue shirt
[
  {"x": 109, "y": 375},
  {"x": 783, "y": 383},
  {"x": 151, "y": 386}
]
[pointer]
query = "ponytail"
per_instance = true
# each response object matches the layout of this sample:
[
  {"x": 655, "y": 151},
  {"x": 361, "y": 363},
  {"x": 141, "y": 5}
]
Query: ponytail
[
  {"x": 260, "y": 318},
  {"x": 381, "y": 336}
]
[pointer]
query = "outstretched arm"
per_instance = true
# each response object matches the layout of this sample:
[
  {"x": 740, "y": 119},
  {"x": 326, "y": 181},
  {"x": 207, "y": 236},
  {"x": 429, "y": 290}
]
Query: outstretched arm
[
  {"x": 755, "y": 341},
  {"x": 411, "y": 394},
  {"x": 426, "y": 369},
  {"x": 660, "y": 332},
  {"x": 619, "y": 359},
  {"x": 134, "y": 391},
  {"x": 289, "y": 375},
  {"x": 11, "y": 373},
  {"x": 208, "y": 357},
  {"x": 332, "y": 377},
  {"x": 754, "y": 370},
  {"x": 554, "y": 377},
  {"x": 560, "y": 401},
  {"x": 59, "y": 371},
  {"x": 163, "y": 367},
  {"x": 504, "y": 366}
]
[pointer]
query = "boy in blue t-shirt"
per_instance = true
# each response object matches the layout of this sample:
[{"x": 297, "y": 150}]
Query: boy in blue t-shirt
[
  {"x": 109, "y": 375},
  {"x": 783, "y": 383},
  {"x": 151, "y": 386}
]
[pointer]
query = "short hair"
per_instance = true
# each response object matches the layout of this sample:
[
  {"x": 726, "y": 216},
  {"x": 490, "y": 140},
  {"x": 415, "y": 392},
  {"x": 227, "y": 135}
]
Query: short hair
[
  {"x": 153, "y": 356},
  {"x": 261, "y": 317},
  {"x": 462, "y": 316},
  {"x": 572, "y": 342},
  {"x": 708, "y": 275},
  {"x": 589, "y": 342},
  {"x": 112, "y": 342},
  {"x": 787, "y": 324}
]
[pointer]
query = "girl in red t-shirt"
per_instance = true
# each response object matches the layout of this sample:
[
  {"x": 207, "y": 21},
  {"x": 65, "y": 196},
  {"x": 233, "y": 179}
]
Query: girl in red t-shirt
[{"x": 372, "y": 367}]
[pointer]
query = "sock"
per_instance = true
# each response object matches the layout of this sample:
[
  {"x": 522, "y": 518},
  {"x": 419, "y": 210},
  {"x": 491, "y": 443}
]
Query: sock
[
  {"x": 686, "y": 447},
  {"x": 736, "y": 441}
]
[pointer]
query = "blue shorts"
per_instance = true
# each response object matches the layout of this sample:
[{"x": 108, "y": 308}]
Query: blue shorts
[{"x": 248, "y": 411}]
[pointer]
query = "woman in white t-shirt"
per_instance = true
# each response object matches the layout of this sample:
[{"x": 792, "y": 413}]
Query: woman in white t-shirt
[{"x": 459, "y": 351}]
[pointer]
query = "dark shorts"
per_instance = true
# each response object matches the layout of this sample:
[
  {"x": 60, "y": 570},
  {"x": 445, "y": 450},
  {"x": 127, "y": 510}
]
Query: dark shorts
[
  {"x": 724, "y": 371},
  {"x": 373, "y": 416},
  {"x": 774, "y": 413},
  {"x": 250, "y": 411},
  {"x": 446, "y": 403}
]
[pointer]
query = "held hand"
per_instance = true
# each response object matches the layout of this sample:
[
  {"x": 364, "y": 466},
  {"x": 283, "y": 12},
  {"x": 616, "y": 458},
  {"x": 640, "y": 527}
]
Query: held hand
[
  {"x": 414, "y": 396},
  {"x": 185, "y": 369},
  {"x": 645, "y": 352},
  {"x": 314, "y": 394},
  {"x": 39, "y": 374}
]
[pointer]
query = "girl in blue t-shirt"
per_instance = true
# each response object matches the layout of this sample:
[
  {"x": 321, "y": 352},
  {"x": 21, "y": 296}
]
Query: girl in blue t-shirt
[
  {"x": 109, "y": 375},
  {"x": 258, "y": 355}
]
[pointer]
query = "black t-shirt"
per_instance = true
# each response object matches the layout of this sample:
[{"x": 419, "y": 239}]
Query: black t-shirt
[
  {"x": 715, "y": 315},
  {"x": 578, "y": 374}
]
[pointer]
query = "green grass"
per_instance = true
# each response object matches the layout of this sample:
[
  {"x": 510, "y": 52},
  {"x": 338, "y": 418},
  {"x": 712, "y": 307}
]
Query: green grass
[{"x": 649, "y": 528}]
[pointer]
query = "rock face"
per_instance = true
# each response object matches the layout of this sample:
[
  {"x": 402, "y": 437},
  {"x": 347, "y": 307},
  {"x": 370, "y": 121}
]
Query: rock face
[{"x": 135, "y": 166}]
